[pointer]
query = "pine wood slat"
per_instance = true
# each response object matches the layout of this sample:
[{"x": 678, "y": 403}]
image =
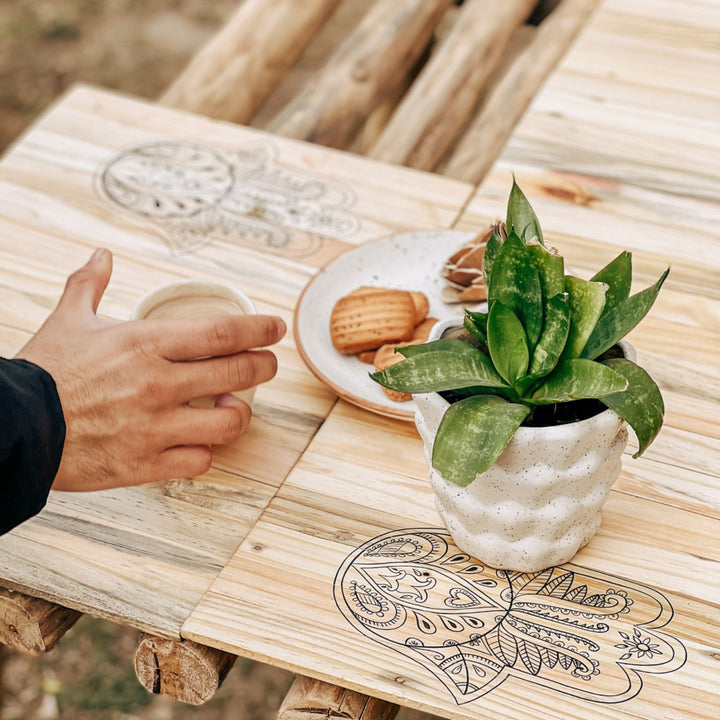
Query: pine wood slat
[
  {"x": 634, "y": 102},
  {"x": 599, "y": 187},
  {"x": 345, "y": 492},
  {"x": 144, "y": 556}
]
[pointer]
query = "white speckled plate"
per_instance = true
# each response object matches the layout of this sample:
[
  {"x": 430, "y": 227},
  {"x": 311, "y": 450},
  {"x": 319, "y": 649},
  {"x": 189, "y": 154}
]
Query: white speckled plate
[{"x": 411, "y": 261}]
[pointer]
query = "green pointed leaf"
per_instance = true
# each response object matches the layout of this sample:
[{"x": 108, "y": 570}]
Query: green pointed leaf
[
  {"x": 617, "y": 275},
  {"x": 472, "y": 435},
  {"x": 476, "y": 324},
  {"x": 641, "y": 405},
  {"x": 553, "y": 338},
  {"x": 438, "y": 371},
  {"x": 515, "y": 281},
  {"x": 551, "y": 269},
  {"x": 586, "y": 300},
  {"x": 521, "y": 217},
  {"x": 449, "y": 344},
  {"x": 621, "y": 319},
  {"x": 492, "y": 247},
  {"x": 578, "y": 379},
  {"x": 507, "y": 342}
]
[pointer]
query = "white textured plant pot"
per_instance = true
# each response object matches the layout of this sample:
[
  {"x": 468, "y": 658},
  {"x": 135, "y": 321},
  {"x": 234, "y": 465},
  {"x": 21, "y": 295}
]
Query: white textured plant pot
[{"x": 541, "y": 501}]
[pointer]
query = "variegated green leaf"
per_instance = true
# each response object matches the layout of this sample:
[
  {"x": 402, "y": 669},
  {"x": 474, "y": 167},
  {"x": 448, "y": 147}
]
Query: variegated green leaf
[
  {"x": 521, "y": 217},
  {"x": 515, "y": 281},
  {"x": 492, "y": 247},
  {"x": 551, "y": 269},
  {"x": 449, "y": 344},
  {"x": 439, "y": 370},
  {"x": 617, "y": 275},
  {"x": 472, "y": 435},
  {"x": 586, "y": 300},
  {"x": 554, "y": 336},
  {"x": 476, "y": 324},
  {"x": 620, "y": 320},
  {"x": 578, "y": 379},
  {"x": 507, "y": 342},
  {"x": 641, "y": 405}
]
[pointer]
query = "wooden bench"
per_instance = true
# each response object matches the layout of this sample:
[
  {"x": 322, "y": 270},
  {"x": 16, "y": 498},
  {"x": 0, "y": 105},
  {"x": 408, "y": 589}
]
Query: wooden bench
[{"x": 431, "y": 84}]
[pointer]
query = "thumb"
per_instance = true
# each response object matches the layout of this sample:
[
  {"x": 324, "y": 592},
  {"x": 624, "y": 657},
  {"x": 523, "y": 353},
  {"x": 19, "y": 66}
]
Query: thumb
[{"x": 85, "y": 287}]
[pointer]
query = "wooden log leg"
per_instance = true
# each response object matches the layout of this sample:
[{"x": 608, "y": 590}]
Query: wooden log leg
[
  {"x": 506, "y": 102},
  {"x": 231, "y": 77},
  {"x": 32, "y": 625},
  {"x": 182, "y": 669},
  {"x": 372, "y": 61},
  {"x": 307, "y": 699},
  {"x": 440, "y": 103}
]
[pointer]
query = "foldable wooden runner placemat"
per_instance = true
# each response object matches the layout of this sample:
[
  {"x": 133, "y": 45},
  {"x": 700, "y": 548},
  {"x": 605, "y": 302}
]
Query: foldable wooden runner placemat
[
  {"x": 176, "y": 196},
  {"x": 348, "y": 574}
]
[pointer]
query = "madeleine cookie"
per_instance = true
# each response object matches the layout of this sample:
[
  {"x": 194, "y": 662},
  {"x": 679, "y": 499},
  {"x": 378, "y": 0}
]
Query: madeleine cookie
[
  {"x": 422, "y": 305},
  {"x": 422, "y": 331},
  {"x": 371, "y": 318},
  {"x": 384, "y": 358}
]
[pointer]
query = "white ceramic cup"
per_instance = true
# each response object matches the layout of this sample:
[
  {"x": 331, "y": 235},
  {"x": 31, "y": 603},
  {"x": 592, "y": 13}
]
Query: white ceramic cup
[{"x": 192, "y": 299}]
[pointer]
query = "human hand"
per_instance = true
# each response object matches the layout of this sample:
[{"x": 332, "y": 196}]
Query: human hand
[{"x": 125, "y": 387}]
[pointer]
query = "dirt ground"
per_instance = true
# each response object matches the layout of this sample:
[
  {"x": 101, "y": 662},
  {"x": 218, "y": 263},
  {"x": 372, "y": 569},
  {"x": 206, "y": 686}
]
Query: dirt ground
[{"x": 137, "y": 46}]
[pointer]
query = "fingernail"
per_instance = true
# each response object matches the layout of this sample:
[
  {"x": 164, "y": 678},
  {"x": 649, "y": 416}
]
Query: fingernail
[
  {"x": 282, "y": 327},
  {"x": 98, "y": 255}
]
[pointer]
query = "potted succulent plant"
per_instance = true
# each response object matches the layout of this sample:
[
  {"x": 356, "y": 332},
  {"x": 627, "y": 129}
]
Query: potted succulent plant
[{"x": 524, "y": 411}]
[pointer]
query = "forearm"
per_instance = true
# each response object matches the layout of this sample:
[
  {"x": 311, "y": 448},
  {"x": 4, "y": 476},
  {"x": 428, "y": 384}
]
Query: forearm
[{"x": 32, "y": 434}]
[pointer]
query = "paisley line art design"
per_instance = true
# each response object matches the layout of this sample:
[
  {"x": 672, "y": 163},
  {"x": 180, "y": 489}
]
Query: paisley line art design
[
  {"x": 568, "y": 628},
  {"x": 198, "y": 194}
]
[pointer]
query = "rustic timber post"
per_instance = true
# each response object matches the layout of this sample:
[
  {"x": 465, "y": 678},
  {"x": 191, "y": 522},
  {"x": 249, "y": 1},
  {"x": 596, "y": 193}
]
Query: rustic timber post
[
  {"x": 370, "y": 63},
  {"x": 507, "y": 101},
  {"x": 234, "y": 73},
  {"x": 307, "y": 699},
  {"x": 182, "y": 669},
  {"x": 32, "y": 625},
  {"x": 442, "y": 99}
]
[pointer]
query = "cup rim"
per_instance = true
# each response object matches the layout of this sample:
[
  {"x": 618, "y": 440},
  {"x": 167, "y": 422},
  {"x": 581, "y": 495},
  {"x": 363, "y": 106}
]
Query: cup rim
[{"x": 191, "y": 288}]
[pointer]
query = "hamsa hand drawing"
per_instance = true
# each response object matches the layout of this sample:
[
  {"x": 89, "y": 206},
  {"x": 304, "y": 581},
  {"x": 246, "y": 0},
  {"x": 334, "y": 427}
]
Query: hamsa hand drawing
[
  {"x": 198, "y": 194},
  {"x": 567, "y": 628}
]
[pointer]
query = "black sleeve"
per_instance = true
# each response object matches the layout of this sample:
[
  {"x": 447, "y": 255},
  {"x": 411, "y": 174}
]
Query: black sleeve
[{"x": 32, "y": 433}]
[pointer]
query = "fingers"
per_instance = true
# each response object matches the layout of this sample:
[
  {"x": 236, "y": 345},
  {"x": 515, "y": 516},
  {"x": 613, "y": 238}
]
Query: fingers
[
  {"x": 184, "y": 461},
  {"x": 220, "y": 425},
  {"x": 225, "y": 335},
  {"x": 85, "y": 287},
  {"x": 215, "y": 376}
]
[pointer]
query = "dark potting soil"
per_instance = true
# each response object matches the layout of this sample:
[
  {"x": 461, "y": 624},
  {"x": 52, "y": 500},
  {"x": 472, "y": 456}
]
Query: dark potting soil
[{"x": 549, "y": 415}]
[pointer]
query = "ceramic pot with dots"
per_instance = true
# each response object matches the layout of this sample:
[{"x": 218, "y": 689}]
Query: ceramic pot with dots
[{"x": 541, "y": 501}]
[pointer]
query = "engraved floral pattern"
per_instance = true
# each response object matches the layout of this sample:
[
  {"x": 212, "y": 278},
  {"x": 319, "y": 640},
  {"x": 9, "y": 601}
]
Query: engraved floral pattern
[
  {"x": 198, "y": 194},
  {"x": 472, "y": 626}
]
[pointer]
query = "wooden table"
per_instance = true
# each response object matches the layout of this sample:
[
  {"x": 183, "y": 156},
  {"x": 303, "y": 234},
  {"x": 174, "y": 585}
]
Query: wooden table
[{"x": 306, "y": 544}]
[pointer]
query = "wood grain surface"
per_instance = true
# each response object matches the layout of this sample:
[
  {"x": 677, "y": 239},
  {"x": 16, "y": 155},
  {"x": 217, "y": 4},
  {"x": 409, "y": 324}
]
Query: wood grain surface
[
  {"x": 94, "y": 171},
  {"x": 314, "y": 544},
  {"x": 618, "y": 151}
]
